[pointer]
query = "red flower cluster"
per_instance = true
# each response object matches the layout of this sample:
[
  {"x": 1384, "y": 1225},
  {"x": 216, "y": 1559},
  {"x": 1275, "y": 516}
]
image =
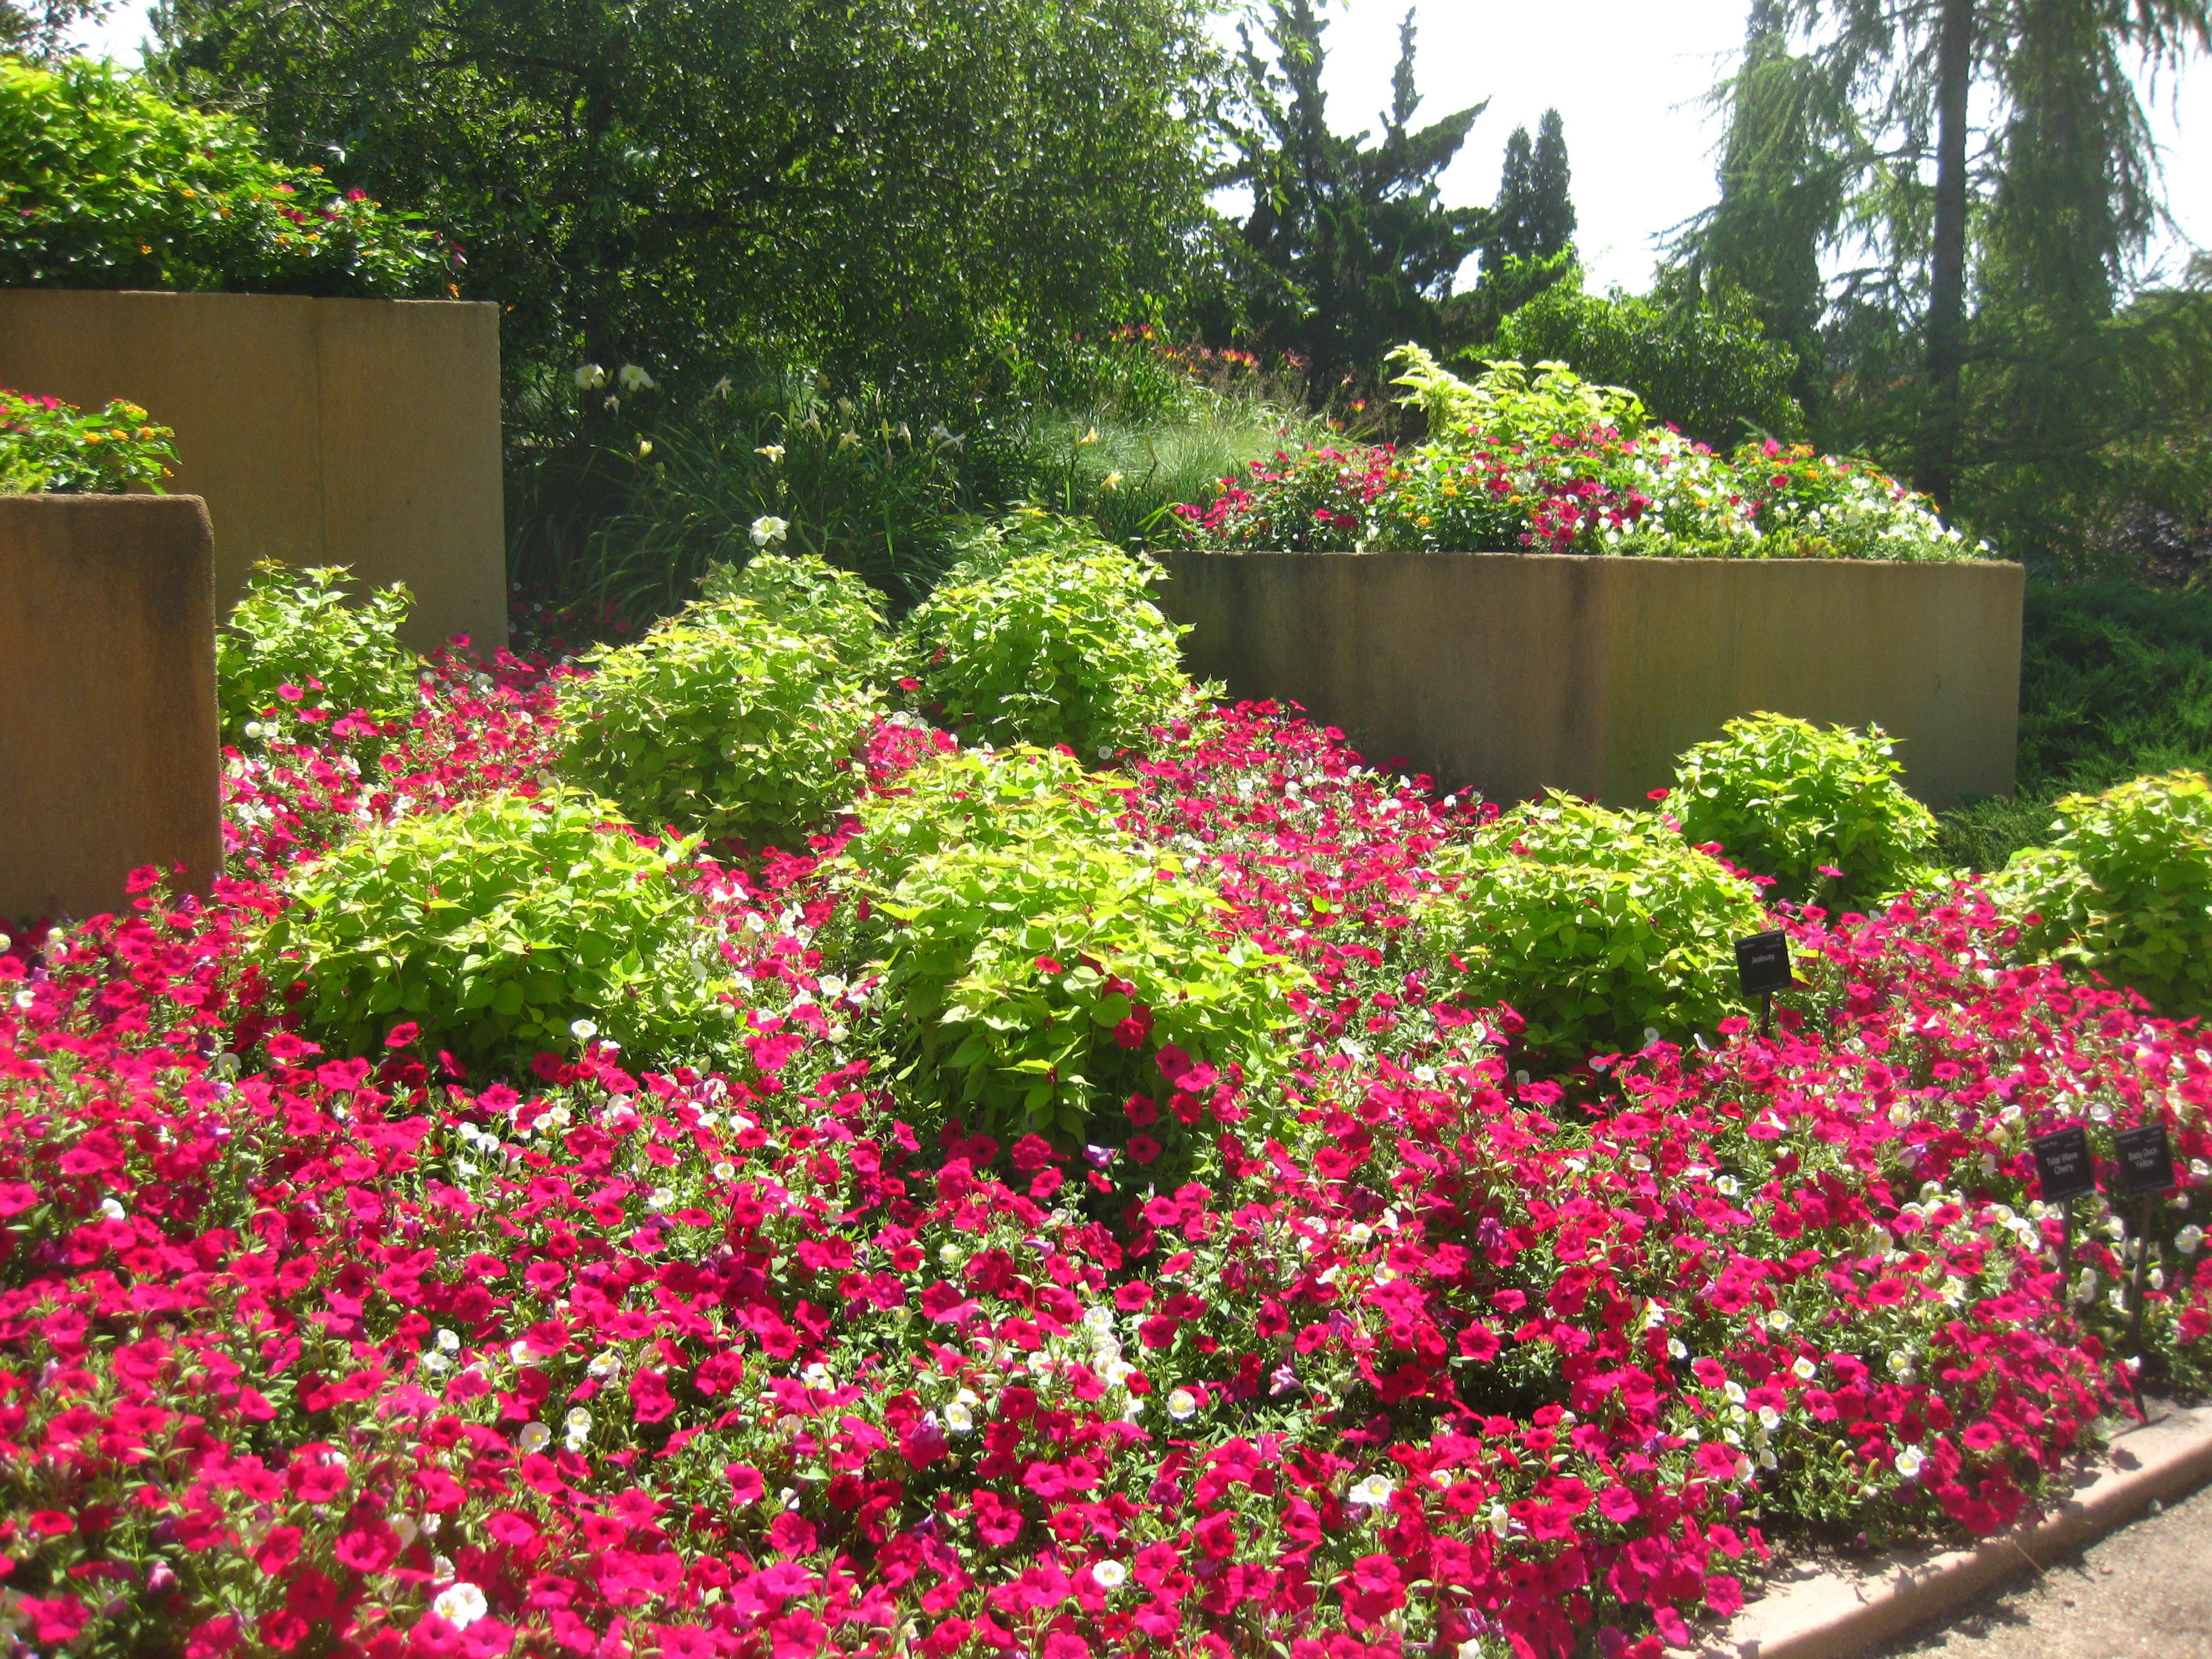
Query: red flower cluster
[{"x": 300, "y": 1354}]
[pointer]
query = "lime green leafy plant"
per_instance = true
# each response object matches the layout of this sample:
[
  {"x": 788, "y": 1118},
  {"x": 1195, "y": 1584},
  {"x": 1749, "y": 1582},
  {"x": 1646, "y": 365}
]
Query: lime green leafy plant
[
  {"x": 803, "y": 593},
  {"x": 294, "y": 644},
  {"x": 1594, "y": 926},
  {"x": 721, "y": 720},
  {"x": 51, "y": 447},
  {"x": 1040, "y": 962},
  {"x": 1044, "y": 633},
  {"x": 2125, "y": 889},
  {"x": 496, "y": 929},
  {"x": 1821, "y": 811}
]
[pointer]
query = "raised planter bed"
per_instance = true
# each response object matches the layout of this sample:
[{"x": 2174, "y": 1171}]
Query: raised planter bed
[
  {"x": 109, "y": 754},
  {"x": 1516, "y": 672},
  {"x": 356, "y": 432}
]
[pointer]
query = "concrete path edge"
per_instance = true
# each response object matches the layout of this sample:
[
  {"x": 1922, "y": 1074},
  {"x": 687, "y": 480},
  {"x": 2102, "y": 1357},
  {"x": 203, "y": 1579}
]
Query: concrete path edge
[{"x": 1831, "y": 1614}]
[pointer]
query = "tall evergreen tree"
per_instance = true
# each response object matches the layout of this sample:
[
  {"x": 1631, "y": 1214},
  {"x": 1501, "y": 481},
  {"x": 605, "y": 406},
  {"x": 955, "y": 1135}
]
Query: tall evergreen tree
[
  {"x": 1888, "y": 96},
  {"x": 1551, "y": 207},
  {"x": 1789, "y": 150},
  {"x": 1533, "y": 217},
  {"x": 1348, "y": 248}
]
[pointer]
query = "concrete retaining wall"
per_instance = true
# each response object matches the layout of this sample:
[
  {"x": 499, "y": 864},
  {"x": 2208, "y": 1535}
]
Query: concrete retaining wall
[
  {"x": 109, "y": 754},
  {"x": 356, "y": 432},
  {"x": 1514, "y": 672}
]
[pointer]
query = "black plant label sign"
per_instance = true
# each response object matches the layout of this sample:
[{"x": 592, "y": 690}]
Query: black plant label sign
[
  {"x": 2063, "y": 1165},
  {"x": 2146, "y": 1159},
  {"x": 1762, "y": 963}
]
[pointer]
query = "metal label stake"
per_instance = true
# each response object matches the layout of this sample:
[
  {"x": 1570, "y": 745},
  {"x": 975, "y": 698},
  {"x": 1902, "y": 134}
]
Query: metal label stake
[
  {"x": 2064, "y": 1171},
  {"x": 1762, "y": 968}
]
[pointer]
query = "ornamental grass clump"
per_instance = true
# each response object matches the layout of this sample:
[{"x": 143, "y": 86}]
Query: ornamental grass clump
[
  {"x": 1600, "y": 929},
  {"x": 297, "y": 655},
  {"x": 2125, "y": 888},
  {"x": 1050, "y": 973},
  {"x": 507, "y": 929},
  {"x": 721, "y": 720},
  {"x": 1045, "y": 633},
  {"x": 1823, "y": 812}
]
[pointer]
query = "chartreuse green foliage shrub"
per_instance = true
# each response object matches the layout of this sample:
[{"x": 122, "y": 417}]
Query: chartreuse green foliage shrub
[
  {"x": 48, "y": 447},
  {"x": 803, "y": 593},
  {"x": 2125, "y": 889},
  {"x": 1045, "y": 633},
  {"x": 105, "y": 184},
  {"x": 295, "y": 644},
  {"x": 1041, "y": 964},
  {"x": 494, "y": 929},
  {"x": 1594, "y": 926},
  {"x": 1787, "y": 800},
  {"x": 721, "y": 720}
]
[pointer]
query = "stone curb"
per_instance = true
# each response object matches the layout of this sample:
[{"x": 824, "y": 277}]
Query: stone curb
[{"x": 1833, "y": 1613}]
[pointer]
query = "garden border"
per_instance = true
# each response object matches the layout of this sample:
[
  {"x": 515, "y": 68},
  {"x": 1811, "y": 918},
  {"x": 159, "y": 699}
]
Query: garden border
[{"x": 1831, "y": 1614}]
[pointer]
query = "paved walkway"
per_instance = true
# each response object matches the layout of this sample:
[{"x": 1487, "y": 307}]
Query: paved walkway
[{"x": 2144, "y": 1592}]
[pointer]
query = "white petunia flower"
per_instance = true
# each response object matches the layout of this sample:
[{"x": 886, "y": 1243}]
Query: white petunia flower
[
  {"x": 1910, "y": 1461},
  {"x": 1374, "y": 1493},
  {"x": 461, "y": 1605},
  {"x": 534, "y": 1437},
  {"x": 1108, "y": 1574},
  {"x": 1182, "y": 1405}
]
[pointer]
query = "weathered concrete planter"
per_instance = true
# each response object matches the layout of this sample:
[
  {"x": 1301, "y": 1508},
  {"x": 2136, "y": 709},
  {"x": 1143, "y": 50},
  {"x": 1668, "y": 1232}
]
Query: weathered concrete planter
[
  {"x": 109, "y": 755},
  {"x": 356, "y": 432},
  {"x": 1515, "y": 671}
]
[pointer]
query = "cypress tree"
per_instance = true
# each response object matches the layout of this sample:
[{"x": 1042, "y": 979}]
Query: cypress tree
[
  {"x": 1348, "y": 248},
  {"x": 1551, "y": 209}
]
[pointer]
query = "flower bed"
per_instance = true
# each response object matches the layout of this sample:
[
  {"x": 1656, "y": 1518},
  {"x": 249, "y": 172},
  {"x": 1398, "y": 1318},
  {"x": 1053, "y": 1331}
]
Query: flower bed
[
  {"x": 1540, "y": 460},
  {"x": 1375, "y": 1335}
]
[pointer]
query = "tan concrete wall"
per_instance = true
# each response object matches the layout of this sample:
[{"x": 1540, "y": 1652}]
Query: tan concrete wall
[
  {"x": 1515, "y": 673},
  {"x": 109, "y": 755},
  {"x": 356, "y": 432}
]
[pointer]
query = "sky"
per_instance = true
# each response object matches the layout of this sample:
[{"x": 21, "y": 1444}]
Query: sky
[{"x": 1628, "y": 78}]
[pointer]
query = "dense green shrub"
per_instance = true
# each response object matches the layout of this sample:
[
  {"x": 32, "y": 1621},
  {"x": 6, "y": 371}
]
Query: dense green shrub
[
  {"x": 295, "y": 646},
  {"x": 105, "y": 183},
  {"x": 1044, "y": 633},
  {"x": 1594, "y": 926},
  {"x": 802, "y": 594},
  {"x": 1709, "y": 368},
  {"x": 1040, "y": 962},
  {"x": 1822, "y": 812},
  {"x": 2115, "y": 682},
  {"x": 719, "y": 720},
  {"x": 2125, "y": 889},
  {"x": 495, "y": 929},
  {"x": 49, "y": 447}
]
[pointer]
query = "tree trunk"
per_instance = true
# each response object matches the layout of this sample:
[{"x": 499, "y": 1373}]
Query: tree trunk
[{"x": 1947, "y": 286}]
